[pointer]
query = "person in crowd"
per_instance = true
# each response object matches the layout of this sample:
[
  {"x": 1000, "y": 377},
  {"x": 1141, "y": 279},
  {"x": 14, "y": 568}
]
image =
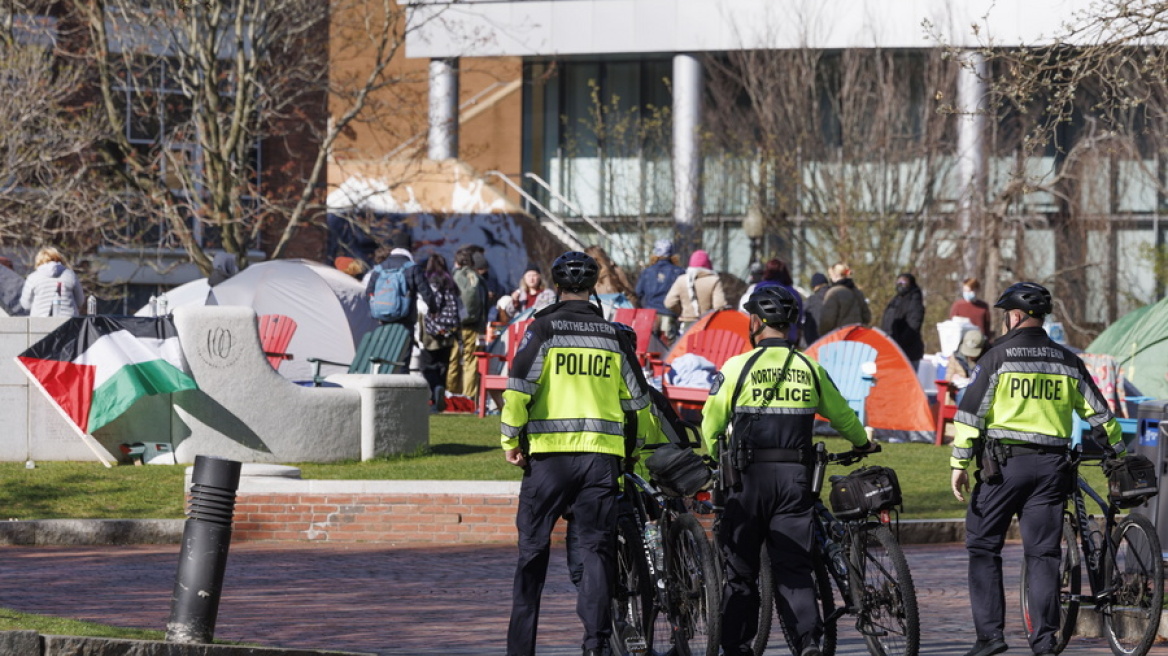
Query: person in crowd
[
  {"x": 398, "y": 257},
  {"x": 564, "y": 425},
  {"x": 612, "y": 278},
  {"x": 462, "y": 377},
  {"x": 5, "y": 262},
  {"x": 843, "y": 304},
  {"x": 959, "y": 370},
  {"x": 904, "y": 316},
  {"x": 52, "y": 289},
  {"x": 223, "y": 267},
  {"x": 771, "y": 504},
  {"x": 530, "y": 287},
  {"x": 1016, "y": 417},
  {"x": 775, "y": 272},
  {"x": 973, "y": 308},
  {"x": 697, "y": 292},
  {"x": 439, "y": 328},
  {"x": 654, "y": 285},
  {"x": 812, "y": 308}
]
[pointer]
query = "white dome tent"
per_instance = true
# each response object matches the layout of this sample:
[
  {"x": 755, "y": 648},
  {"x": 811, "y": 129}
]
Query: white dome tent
[{"x": 328, "y": 306}]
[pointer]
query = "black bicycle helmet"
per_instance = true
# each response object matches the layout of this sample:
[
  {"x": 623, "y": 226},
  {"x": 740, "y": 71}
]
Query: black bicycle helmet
[
  {"x": 774, "y": 304},
  {"x": 1031, "y": 298},
  {"x": 575, "y": 272}
]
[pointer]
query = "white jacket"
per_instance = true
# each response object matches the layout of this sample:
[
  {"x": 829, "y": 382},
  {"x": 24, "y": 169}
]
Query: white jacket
[{"x": 48, "y": 282}]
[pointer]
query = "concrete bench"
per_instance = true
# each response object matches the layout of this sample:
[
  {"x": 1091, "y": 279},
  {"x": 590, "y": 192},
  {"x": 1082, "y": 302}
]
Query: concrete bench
[{"x": 246, "y": 411}]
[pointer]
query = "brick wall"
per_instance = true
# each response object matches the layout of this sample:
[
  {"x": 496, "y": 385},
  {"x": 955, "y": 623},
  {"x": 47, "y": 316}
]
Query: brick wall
[{"x": 378, "y": 511}]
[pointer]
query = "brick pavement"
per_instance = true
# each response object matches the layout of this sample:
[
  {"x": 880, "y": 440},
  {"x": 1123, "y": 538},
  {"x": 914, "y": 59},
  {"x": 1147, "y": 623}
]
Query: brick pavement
[{"x": 399, "y": 601}]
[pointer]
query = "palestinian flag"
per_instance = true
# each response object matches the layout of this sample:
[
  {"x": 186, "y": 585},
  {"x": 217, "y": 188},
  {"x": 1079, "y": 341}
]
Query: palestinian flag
[{"x": 94, "y": 368}]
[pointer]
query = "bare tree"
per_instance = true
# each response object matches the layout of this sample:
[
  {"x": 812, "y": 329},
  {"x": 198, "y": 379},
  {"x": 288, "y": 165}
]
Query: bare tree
[
  {"x": 1078, "y": 135},
  {"x": 48, "y": 190},
  {"x": 199, "y": 96},
  {"x": 848, "y": 159}
]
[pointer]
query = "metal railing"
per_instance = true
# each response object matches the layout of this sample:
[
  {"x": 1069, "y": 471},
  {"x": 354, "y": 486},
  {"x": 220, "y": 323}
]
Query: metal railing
[
  {"x": 554, "y": 224},
  {"x": 630, "y": 256}
]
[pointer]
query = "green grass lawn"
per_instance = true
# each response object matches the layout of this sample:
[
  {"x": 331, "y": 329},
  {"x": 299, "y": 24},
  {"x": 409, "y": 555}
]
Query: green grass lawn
[{"x": 462, "y": 447}]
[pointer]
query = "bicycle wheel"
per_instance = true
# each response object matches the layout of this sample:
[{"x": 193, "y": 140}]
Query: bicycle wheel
[
  {"x": 1070, "y": 584},
  {"x": 821, "y": 583},
  {"x": 633, "y": 592},
  {"x": 883, "y": 593},
  {"x": 766, "y": 601},
  {"x": 1134, "y": 578},
  {"x": 692, "y": 586}
]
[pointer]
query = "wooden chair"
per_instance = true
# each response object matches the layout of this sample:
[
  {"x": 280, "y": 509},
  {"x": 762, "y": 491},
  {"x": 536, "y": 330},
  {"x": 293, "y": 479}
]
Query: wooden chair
[
  {"x": 489, "y": 382},
  {"x": 843, "y": 361},
  {"x": 383, "y": 350},
  {"x": 276, "y": 332},
  {"x": 946, "y": 408},
  {"x": 715, "y": 345},
  {"x": 641, "y": 321}
]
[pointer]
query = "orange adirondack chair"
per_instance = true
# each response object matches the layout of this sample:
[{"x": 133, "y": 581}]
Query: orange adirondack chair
[
  {"x": 641, "y": 322},
  {"x": 946, "y": 408},
  {"x": 498, "y": 382},
  {"x": 276, "y": 332},
  {"x": 715, "y": 345}
]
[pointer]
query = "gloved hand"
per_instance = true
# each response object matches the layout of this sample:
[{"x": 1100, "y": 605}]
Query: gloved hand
[{"x": 1111, "y": 465}]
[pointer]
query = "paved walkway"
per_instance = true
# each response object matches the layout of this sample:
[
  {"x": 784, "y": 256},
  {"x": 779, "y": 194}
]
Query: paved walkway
[{"x": 405, "y": 601}]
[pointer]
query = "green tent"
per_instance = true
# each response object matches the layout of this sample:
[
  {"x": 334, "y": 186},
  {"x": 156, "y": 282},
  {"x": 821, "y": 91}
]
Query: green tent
[{"x": 1139, "y": 341}]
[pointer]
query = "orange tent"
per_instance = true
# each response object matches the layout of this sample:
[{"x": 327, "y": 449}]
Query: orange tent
[{"x": 896, "y": 405}]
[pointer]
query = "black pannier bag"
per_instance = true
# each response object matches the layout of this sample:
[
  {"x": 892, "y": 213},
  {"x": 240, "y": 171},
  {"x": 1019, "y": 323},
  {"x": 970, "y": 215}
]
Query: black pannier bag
[
  {"x": 1131, "y": 480},
  {"x": 677, "y": 470},
  {"x": 865, "y": 491},
  {"x": 674, "y": 467}
]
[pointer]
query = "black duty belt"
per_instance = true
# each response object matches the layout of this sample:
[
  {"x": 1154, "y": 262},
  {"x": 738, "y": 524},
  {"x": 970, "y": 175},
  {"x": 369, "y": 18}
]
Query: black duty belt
[
  {"x": 776, "y": 455},
  {"x": 1012, "y": 450}
]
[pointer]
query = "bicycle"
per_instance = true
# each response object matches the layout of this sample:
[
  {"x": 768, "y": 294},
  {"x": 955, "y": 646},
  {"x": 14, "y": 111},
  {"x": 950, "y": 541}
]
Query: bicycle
[
  {"x": 1124, "y": 571},
  {"x": 861, "y": 557},
  {"x": 667, "y": 596}
]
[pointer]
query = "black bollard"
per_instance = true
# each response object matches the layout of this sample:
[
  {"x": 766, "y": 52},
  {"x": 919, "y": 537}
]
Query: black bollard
[{"x": 198, "y": 583}]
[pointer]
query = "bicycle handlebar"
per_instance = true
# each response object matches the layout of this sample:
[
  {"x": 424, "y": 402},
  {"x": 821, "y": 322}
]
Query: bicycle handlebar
[{"x": 851, "y": 457}]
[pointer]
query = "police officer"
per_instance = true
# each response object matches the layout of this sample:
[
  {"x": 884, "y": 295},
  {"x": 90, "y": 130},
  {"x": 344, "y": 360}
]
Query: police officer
[
  {"x": 563, "y": 422},
  {"x": 1016, "y": 418},
  {"x": 769, "y": 398}
]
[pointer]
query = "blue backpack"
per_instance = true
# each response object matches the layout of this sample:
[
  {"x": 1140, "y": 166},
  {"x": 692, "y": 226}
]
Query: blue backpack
[{"x": 391, "y": 294}]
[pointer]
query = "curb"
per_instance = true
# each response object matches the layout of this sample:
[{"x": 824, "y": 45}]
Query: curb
[
  {"x": 31, "y": 643},
  {"x": 92, "y": 532}
]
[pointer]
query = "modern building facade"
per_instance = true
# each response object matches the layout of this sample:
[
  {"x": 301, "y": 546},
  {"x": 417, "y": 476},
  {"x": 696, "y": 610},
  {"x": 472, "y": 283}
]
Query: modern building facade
[{"x": 615, "y": 121}]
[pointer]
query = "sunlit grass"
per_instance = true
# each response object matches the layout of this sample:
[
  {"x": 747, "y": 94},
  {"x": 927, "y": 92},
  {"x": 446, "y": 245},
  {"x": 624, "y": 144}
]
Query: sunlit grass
[{"x": 462, "y": 447}]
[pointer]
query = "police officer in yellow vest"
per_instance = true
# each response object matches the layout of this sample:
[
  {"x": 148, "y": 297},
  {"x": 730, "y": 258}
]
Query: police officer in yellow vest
[
  {"x": 1015, "y": 418},
  {"x": 769, "y": 397},
  {"x": 570, "y": 385}
]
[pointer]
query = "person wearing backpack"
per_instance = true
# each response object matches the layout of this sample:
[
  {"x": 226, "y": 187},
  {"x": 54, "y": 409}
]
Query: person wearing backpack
[
  {"x": 462, "y": 377},
  {"x": 393, "y": 289},
  {"x": 439, "y": 329}
]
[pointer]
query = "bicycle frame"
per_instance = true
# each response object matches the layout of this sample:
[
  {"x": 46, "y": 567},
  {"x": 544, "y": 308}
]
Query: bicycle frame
[{"x": 1094, "y": 550}]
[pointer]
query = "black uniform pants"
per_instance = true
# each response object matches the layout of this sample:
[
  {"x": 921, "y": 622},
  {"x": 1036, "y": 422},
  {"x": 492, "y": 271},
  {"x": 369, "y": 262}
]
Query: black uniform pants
[
  {"x": 1032, "y": 488},
  {"x": 774, "y": 507},
  {"x": 584, "y": 484}
]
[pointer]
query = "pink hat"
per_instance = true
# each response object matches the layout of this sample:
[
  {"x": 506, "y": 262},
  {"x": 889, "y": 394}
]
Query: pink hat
[{"x": 700, "y": 259}]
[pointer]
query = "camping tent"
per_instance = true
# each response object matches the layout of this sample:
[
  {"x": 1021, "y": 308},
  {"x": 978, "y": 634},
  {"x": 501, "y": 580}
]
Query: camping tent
[
  {"x": 1139, "y": 341},
  {"x": 329, "y": 307},
  {"x": 896, "y": 405}
]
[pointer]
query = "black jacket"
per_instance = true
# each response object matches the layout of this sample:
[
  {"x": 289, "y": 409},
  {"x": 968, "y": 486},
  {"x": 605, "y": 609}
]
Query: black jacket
[{"x": 902, "y": 321}]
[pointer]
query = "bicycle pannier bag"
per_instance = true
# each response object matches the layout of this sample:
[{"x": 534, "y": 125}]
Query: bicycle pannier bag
[
  {"x": 677, "y": 470},
  {"x": 863, "y": 492},
  {"x": 1132, "y": 481}
]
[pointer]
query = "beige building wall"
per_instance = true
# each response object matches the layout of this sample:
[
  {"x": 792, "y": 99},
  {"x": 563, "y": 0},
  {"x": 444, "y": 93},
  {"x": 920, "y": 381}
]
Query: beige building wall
[{"x": 394, "y": 126}]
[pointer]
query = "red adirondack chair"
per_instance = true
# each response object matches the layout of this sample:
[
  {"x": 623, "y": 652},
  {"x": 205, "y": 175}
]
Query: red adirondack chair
[
  {"x": 717, "y": 346},
  {"x": 498, "y": 382},
  {"x": 946, "y": 408},
  {"x": 641, "y": 321},
  {"x": 276, "y": 332}
]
